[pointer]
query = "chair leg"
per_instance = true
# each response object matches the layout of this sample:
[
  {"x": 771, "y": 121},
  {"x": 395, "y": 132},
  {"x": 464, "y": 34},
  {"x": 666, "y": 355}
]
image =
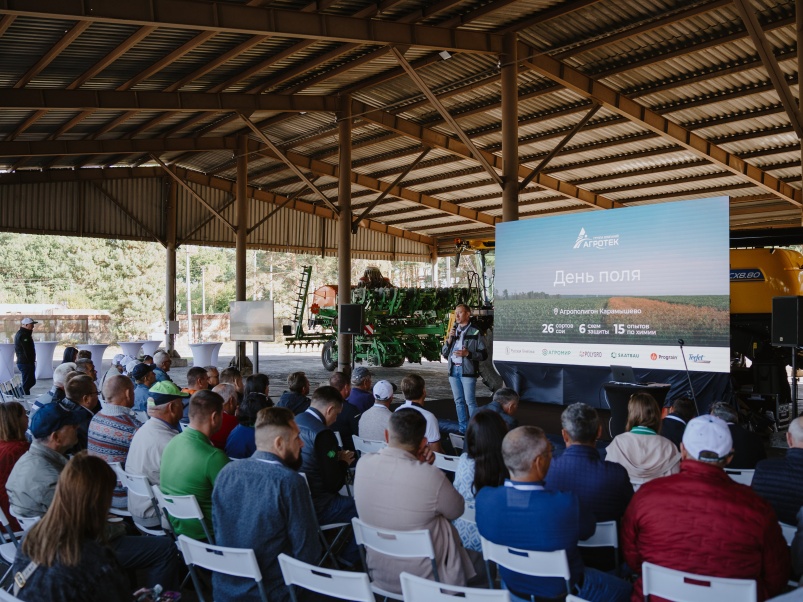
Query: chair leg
[
  {"x": 292, "y": 589},
  {"x": 490, "y": 578},
  {"x": 196, "y": 582}
]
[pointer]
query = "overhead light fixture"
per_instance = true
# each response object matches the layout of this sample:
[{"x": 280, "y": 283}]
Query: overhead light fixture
[{"x": 445, "y": 55}]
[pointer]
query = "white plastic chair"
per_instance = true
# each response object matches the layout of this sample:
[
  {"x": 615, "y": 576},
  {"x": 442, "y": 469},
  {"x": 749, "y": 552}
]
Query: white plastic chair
[
  {"x": 571, "y": 598},
  {"x": 8, "y": 550},
  {"x": 182, "y": 507},
  {"x": 26, "y": 522},
  {"x": 688, "y": 587},
  {"x": 458, "y": 442},
  {"x": 470, "y": 513},
  {"x": 745, "y": 477},
  {"x": 238, "y": 562},
  {"x": 606, "y": 536},
  {"x": 367, "y": 446},
  {"x": 788, "y": 532},
  {"x": 401, "y": 544},
  {"x": 526, "y": 562},
  {"x": 117, "y": 467},
  {"x": 139, "y": 485},
  {"x": 338, "y": 584},
  {"x": 447, "y": 463},
  {"x": 415, "y": 589},
  {"x": 6, "y": 597}
]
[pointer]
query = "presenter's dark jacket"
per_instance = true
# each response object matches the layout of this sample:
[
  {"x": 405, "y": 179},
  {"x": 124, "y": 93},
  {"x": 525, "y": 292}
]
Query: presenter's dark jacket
[
  {"x": 23, "y": 347},
  {"x": 474, "y": 342}
]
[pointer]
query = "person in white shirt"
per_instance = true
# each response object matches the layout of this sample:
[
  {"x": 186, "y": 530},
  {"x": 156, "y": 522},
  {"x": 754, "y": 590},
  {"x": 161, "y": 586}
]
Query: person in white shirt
[{"x": 415, "y": 391}]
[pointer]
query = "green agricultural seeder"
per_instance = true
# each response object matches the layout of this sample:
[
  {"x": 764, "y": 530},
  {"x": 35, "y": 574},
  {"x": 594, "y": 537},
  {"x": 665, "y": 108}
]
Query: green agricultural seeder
[{"x": 400, "y": 323}]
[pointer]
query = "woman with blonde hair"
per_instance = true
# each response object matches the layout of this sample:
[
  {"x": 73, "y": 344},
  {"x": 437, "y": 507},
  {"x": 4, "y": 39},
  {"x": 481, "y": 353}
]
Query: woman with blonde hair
[
  {"x": 641, "y": 449},
  {"x": 13, "y": 444},
  {"x": 63, "y": 557}
]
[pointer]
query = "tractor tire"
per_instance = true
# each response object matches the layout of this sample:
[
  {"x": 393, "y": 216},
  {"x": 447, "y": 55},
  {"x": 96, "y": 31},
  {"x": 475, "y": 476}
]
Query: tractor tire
[
  {"x": 397, "y": 363},
  {"x": 329, "y": 355},
  {"x": 488, "y": 373}
]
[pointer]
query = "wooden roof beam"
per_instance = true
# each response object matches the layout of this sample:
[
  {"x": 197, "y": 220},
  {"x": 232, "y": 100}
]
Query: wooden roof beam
[{"x": 612, "y": 100}]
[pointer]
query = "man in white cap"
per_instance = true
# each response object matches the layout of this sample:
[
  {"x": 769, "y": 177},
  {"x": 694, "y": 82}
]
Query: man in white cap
[
  {"x": 26, "y": 354},
  {"x": 700, "y": 521},
  {"x": 374, "y": 422},
  {"x": 114, "y": 370}
]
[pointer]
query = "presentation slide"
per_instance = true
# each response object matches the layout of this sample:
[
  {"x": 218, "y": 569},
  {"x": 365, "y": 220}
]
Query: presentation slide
[{"x": 616, "y": 287}]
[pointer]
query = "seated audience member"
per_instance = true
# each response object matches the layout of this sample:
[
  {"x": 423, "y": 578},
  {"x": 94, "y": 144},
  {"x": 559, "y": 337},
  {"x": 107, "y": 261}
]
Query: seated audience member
[
  {"x": 165, "y": 410},
  {"x": 190, "y": 463},
  {"x": 361, "y": 389},
  {"x": 129, "y": 368},
  {"x": 213, "y": 376},
  {"x": 13, "y": 445},
  {"x": 415, "y": 392},
  {"x": 144, "y": 379},
  {"x": 241, "y": 443},
  {"x": 230, "y": 422},
  {"x": 398, "y": 489},
  {"x": 325, "y": 464},
  {"x": 83, "y": 393},
  {"x": 748, "y": 448},
  {"x": 683, "y": 409},
  {"x": 296, "y": 399},
  {"x": 280, "y": 516},
  {"x": 259, "y": 384},
  {"x": 87, "y": 366},
  {"x": 83, "y": 354},
  {"x": 113, "y": 427},
  {"x": 117, "y": 367},
  {"x": 639, "y": 449},
  {"x": 147, "y": 359},
  {"x": 481, "y": 465},
  {"x": 503, "y": 512},
  {"x": 196, "y": 380},
  {"x": 347, "y": 423},
  {"x": 70, "y": 355},
  {"x": 374, "y": 421},
  {"x": 701, "y": 521},
  {"x": 603, "y": 488},
  {"x": 505, "y": 402},
  {"x": 780, "y": 480},
  {"x": 72, "y": 563},
  {"x": 162, "y": 363},
  {"x": 232, "y": 376},
  {"x": 32, "y": 485},
  {"x": 56, "y": 392}
]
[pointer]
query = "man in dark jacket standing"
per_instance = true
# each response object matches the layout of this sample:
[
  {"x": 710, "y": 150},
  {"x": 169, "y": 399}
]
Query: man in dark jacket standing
[
  {"x": 465, "y": 349},
  {"x": 700, "y": 521},
  {"x": 26, "y": 354}
]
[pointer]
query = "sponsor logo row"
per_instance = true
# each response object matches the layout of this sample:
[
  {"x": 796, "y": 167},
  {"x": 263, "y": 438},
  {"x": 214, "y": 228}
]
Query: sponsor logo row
[{"x": 695, "y": 358}]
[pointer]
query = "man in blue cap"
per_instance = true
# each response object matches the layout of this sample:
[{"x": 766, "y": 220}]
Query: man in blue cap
[{"x": 144, "y": 378}]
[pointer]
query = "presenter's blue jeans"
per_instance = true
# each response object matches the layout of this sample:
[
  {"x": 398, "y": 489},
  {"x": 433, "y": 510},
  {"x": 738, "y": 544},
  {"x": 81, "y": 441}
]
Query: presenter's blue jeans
[{"x": 465, "y": 398}]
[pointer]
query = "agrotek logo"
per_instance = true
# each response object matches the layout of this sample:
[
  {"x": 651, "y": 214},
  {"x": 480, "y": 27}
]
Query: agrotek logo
[{"x": 584, "y": 241}]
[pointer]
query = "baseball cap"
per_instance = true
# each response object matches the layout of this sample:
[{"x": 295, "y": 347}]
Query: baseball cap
[
  {"x": 708, "y": 439},
  {"x": 140, "y": 370},
  {"x": 27, "y": 321},
  {"x": 51, "y": 417},
  {"x": 117, "y": 359},
  {"x": 384, "y": 390},
  {"x": 360, "y": 374},
  {"x": 130, "y": 365},
  {"x": 165, "y": 392}
]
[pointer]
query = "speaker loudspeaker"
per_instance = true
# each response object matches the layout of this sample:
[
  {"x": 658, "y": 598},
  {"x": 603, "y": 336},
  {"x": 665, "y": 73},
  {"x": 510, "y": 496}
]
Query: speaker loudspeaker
[
  {"x": 787, "y": 321},
  {"x": 351, "y": 319}
]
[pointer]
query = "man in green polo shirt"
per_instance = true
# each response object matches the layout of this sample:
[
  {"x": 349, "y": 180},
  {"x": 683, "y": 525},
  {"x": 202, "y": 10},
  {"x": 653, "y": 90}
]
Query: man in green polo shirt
[{"x": 190, "y": 463}]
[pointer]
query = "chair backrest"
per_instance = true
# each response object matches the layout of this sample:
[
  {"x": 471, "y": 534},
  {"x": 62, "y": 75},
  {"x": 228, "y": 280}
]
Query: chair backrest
[
  {"x": 470, "y": 512},
  {"x": 458, "y": 442},
  {"x": 688, "y": 587},
  {"x": 606, "y": 536},
  {"x": 571, "y": 598},
  {"x": 118, "y": 470},
  {"x": 6, "y": 597},
  {"x": 338, "y": 584},
  {"x": 182, "y": 507},
  {"x": 529, "y": 562},
  {"x": 418, "y": 588},
  {"x": 367, "y": 446},
  {"x": 745, "y": 477},
  {"x": 402, "y": 544},
  {"x": 137, "y": 484},
  {"x": 26, "y": 522},
  {"x": 448, "y": 463},
  {"x": 788, "y": 532}
]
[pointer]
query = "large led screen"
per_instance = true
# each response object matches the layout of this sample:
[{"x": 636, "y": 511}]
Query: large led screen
[{"x": 616, "y": 287}]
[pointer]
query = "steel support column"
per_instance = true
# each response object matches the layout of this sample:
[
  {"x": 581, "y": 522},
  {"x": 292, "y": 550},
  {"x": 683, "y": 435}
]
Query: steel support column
[
  {"x": 241, "y": 205},
  {"x": 170, "y": 274},
  {"x": 344, "y": 227},
  {"x": 510, "y": 130}
]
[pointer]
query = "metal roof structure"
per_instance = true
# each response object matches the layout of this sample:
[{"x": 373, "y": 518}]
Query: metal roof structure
[{"x": 619, "y": 103}]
